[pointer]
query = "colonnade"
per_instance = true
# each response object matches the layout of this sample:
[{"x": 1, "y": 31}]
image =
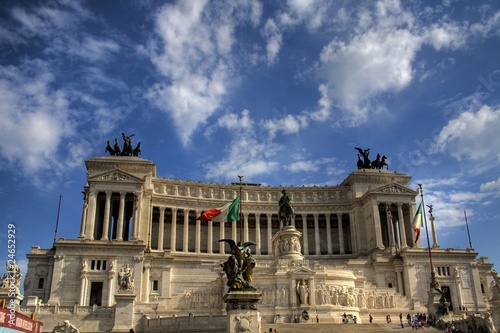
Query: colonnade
[
  {"x": 391, "y": 227},
  {"x": 110, "y": 215},
  {"x": 322, "y": 233}
]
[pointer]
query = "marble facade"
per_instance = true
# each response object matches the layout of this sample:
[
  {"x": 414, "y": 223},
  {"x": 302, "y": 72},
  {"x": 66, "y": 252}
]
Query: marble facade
[{"x": 352, "y": 246}]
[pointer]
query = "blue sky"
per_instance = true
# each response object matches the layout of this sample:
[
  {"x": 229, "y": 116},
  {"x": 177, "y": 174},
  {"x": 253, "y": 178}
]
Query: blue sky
[{"x": 278, "y": 91}]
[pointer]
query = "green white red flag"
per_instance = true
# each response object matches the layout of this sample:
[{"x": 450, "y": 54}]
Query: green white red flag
[
  {"x": 417, "y": 222},
  {"x": 231, "y": 208}
]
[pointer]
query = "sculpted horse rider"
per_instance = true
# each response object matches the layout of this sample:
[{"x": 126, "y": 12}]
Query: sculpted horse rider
[
  {"x": 380, "y": 162},
  {"x": 286, "y": 211}
]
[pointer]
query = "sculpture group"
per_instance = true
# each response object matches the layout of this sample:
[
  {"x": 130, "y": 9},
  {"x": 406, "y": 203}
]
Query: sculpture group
[
  {"x": 239, "y": 266},
  {"x": 364, "y": 161},
  {"x": 127, "y": 149}
]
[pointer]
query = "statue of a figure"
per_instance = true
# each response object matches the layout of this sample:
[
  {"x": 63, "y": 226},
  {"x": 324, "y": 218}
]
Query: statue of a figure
[
  {"x": 12, "y": 277},
  {"x": 496, "y": 280},
  {"x": 110, "y": 149},
  {"x": 239, "y": 266},
  {"x": 303, "y": 291},
  {"x": 380, "y": 162},
  {"x": 125, "y": 280},
  {"x": 365, "y": 153},
  {"x": 285, "y": 211},
  {"x": 116, "y": 148},
  {"x": 65, "y": 327},
  {"x": 127, "y": 145}
]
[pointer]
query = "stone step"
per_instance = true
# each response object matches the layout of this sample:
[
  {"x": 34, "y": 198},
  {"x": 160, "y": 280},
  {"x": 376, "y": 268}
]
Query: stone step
[{"x": 344, "y": 328}]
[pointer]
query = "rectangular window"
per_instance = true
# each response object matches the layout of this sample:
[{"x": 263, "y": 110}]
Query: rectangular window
[
  {"x": 98, "y": 265},
  {"x": 40, "y": 283},
  {"x": 155, "y": 285}
]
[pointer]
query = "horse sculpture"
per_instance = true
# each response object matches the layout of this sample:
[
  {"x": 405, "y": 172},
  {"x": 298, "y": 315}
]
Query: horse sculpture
[
  {"x": 380, "y": 162},
  {"x": 137, "y": 150},
  {"x": 366, "y": 163},
  {"x": 286, "y": 211},
  {"x": 127, "y": 145},
  {"x": 366, "y": 157},
  {"x": 110, "y": 149}
]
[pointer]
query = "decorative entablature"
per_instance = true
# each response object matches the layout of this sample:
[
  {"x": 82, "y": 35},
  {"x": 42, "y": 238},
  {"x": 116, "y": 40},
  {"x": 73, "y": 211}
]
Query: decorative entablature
[
  {"x": 134, "y": 166},
  {"x": 120, "y": 249},
  {"x": 220, "y": 193},
  {"x": 115, "y": 176},
  {"x": 392, "y": 192},
  {"x": 367, "y": 176}
]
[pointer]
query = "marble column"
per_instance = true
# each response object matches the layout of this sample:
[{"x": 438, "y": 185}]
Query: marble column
[
  {"x": 401, "y": 221},
  {"x": 222, "y": 235},
  {"x": 185, "y": 236},
  {"x": 137, "y": 214},
  {"x": 378, "y": 229},
  {"x": 173, "y": 230},
  {"x": 317, "y": 249},
  {"x": 91, "y": 217},
  {"x": 269, "y": 233},
  {"x": 341, "y": 233},
  {"x": 245, "y": 227},
  {"x": 105, "y": 222},
  {"x": 121, "y": 213},
  {"x": 84, "y": 214},
  {"x": 390, "y": 224},
  {"x": 329, "y": 234},
  {"x": 305, "y": 239},
  {"x": 161, "y": 227},
  {"x": 257, "y": 234},
  {"x": 197, "y": 241},
  {"x": 210, "y": 237}
]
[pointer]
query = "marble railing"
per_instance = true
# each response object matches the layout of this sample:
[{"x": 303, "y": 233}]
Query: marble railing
[{"x": 262, "y": 194}]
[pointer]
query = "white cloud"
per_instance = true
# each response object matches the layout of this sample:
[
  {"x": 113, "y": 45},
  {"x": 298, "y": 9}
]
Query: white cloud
[
  {"x": 34, "y": 118},
  {"x": 491, "y": 186},
  {"x": 289, "y": 124},
  {"x": 471, "y": 135},
  {"x": 311, "y": 13},
  {"x": 377, "y": 57},
  {"x": 194, "y": 55},
  {"x": 446, "y": 35},
  {"x": 274, "y": 39},
  {"x": 231, "y": 121},
  {"x": 246, "y": 154},
  {"x": 490, "y": 26},
  {"x": 302, "y": 166}
]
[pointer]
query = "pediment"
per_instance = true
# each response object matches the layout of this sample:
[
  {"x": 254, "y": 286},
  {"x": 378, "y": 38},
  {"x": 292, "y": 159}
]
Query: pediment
[
  {"x": 116, "y": 176},
  {"x": 302, "y": 272},
  {"x": 394, "y": 188}
]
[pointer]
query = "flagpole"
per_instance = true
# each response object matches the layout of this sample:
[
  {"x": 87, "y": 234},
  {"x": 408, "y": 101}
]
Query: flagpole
[
  {"x": 57, "y": 219},
  {"x": 241, "y": 214},
  {"x": 433, "y": 273},
  {"x": 468, "y": 233}
]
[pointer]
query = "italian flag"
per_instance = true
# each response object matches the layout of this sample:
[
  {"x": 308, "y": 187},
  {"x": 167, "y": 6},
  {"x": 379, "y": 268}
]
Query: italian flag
[
  {"x": 231, "y": 208},
  {"x": 417, "y": 222}
]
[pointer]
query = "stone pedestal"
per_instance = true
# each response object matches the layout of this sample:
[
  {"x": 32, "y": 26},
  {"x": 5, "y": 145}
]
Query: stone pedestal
[
  {"x": 286, "y": 244},
  {"x": 242, "y": 313},
  {"x": 12, "y": 299},
  {"x": 124, "y": 312}
]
